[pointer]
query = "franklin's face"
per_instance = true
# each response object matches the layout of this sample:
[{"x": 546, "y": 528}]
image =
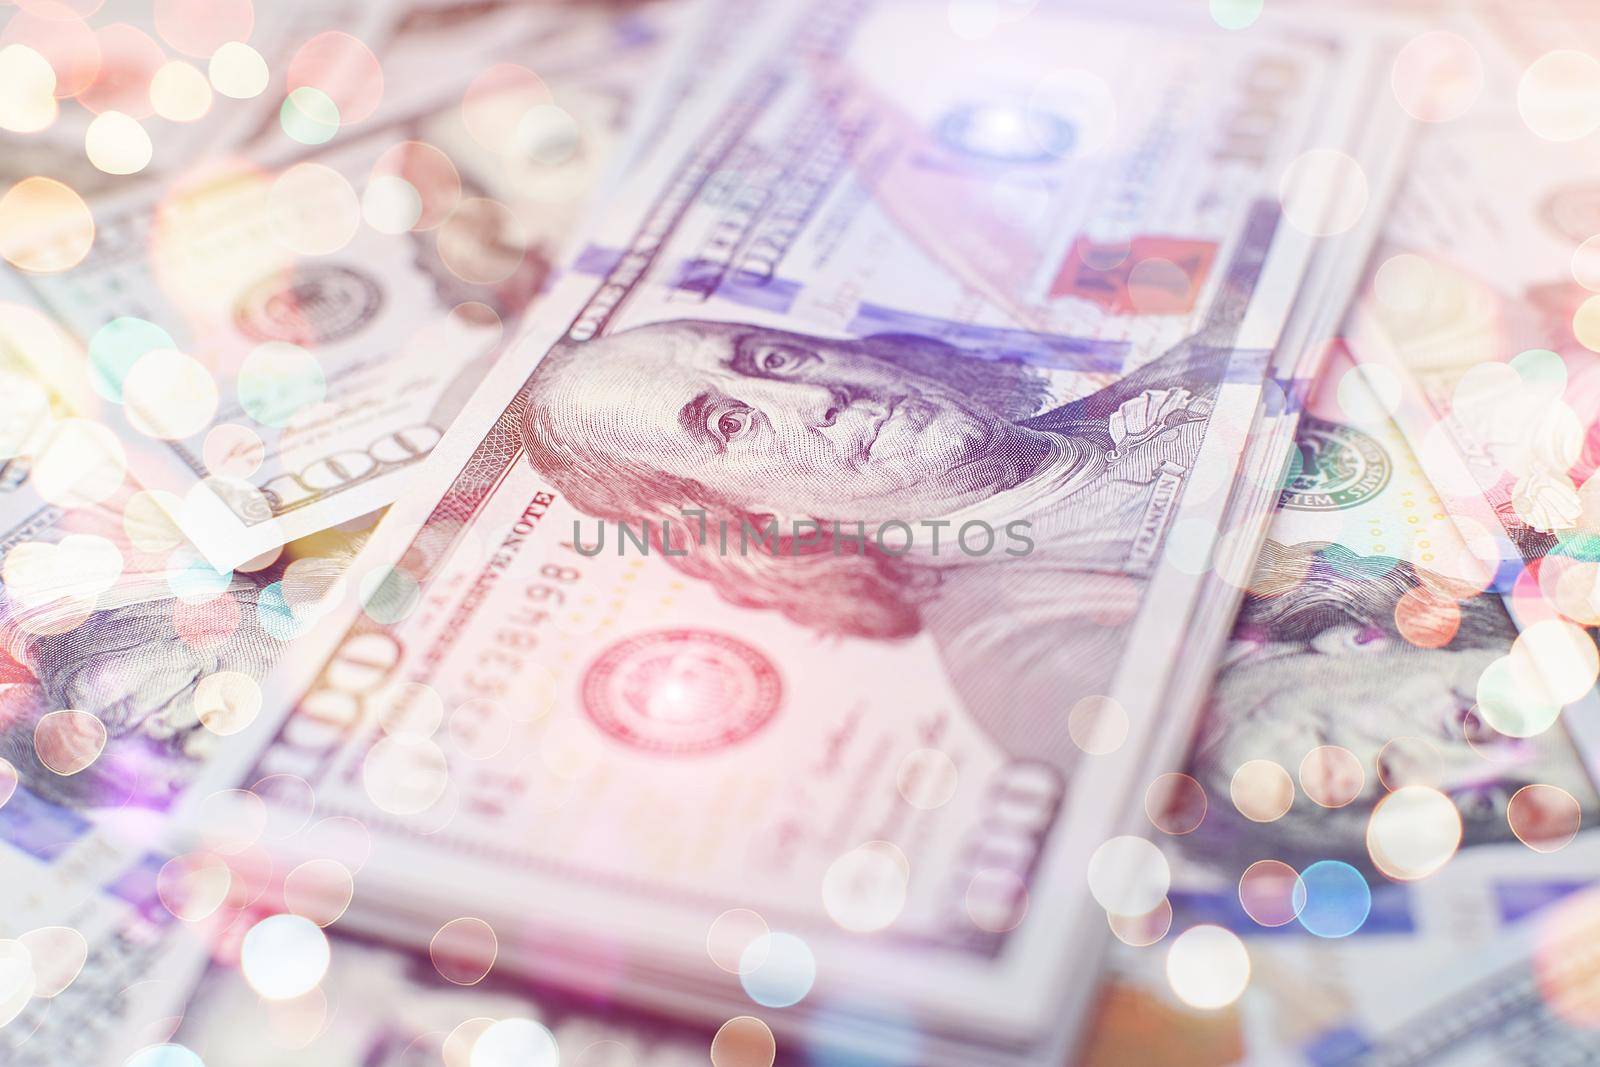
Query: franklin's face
[
  {"x": 133, "y": 670},
  {"x": 1361, "y": 689},
  {"x": 784, "y": 424}
]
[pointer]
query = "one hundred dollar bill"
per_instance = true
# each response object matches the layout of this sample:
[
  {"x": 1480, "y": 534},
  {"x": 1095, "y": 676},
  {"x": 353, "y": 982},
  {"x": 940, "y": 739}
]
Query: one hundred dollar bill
[
  {"x": 100, "y": 629},
  {"x": 1473, "y": 325},
  {"x": 336, "y": 344},
  {"x": 826, "y": 323},
  {"x": 1334, "y": 648}
]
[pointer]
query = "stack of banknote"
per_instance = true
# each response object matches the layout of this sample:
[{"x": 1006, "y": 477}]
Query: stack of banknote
[{"x": 819, "y": 532}]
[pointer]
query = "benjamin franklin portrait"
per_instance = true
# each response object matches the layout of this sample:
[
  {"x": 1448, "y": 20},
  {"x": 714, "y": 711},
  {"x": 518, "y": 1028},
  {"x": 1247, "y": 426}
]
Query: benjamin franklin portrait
[
  {"x": 1317, "y": 659},
  {"x": 752, "y": 424},
  {"x": 135, "y": 669}
]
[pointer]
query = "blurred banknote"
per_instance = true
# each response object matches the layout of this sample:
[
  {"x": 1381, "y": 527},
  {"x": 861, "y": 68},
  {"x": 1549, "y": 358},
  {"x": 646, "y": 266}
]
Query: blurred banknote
[
  {"x": 119, "y": 675},
  {"x": 1481, "y": 328},
  {"x": 95, "y": 969},
  {"x": 1498, "y": 358},
  {"x": 846, "y": 458},
  {"x": 1342, "y": 752},
  {"x": 1530, "y": 999},
  {"x": 1505, "y": 388},
  {"x": 109, "y": 616},
  {"x": 186, "y": 80},
  {"x": 318, "y": 320},
  {"x": 380, "y": 1006}
]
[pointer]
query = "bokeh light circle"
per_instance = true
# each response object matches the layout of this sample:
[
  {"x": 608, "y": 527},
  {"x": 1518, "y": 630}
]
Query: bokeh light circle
[
  {"x": 230, "y": 821},
  {"x": 784, "y": 974},
  {"x": 1261, "y": 790},
  {"x": 193, "y": 886},
  {"x": 164, "y": 1055},
  {"x": 1235, "y": 14},
  {"x": 69, "y": 47},
  {"x": 1586, "y": 324},
  {"x": 1175, "y": 804},
  {"x": 116, "y": 144},
  {"x": 1332, "y": 899},
  {"x": 547, "y": 135},
  {"x": 114, "y": 349},
  {"x": 464, "y": 950},
  {"x": 169, "y": 396},
  {"x": 996, "y": 900},
  {"x": 743, "y": 1041},
  {"x": 68, "y": 741},
  {"x": 233, "y": 451},
  {"x": 388, "y": 594},
  {"x": 865, "y": 888},
  {"x": 494, "y": 104},
  {"x": 405, "y": 775},
  {"x": 1331, "y": 776},
  {"x": 1141, "y": 931},
  {"x": 1559, "y": 95},
  {"x": 27, "y": 90},
  {"x": 16, "y": 979},
  {"x": 1098, "y": 725},
  {"x": 732, "y": 935},
  {"x": 313, "y": 210},
  {"x": 237, "y": 71},
  {"x": 284, "y": 956},
  {"x": 515, "y": 1042},
  {"x": 179, "y": 92},
  {"x": 459, "y": 1042},
  {"x": 1208, "y": 967},
  {"x": 1406, "y": 761},
  {"x": 1562, "y": 656},
  {"x": 59, "y": 953},
  {"x": 1513, "y": 702},
  {"x": 309, "y": 116},
  {"x": 1426, "y": 619},
  {"x": 1413, "y": 832},
  {"x": 319, "y": 890},
  {"x": 391, "y": 205},
  {"x": 431, "y": 175},
  {"x": 1544, "y": 817},
  {"x": 1586, "y": 264},
  {"x": 1404, "y": 283},
  {"x": 1268, "y": 893},
  {"x": 342, "y": 70},
  {"x": 1128, "y": 876},
  {"x": 45, "y": 227},
  {"x": 227, "y": 701},
  {"x": 482, "y": 242}
]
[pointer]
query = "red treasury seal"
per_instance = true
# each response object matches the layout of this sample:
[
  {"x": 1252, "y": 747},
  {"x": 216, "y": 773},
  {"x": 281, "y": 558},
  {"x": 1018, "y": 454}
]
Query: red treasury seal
[{"x": 681, "y": 690}]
